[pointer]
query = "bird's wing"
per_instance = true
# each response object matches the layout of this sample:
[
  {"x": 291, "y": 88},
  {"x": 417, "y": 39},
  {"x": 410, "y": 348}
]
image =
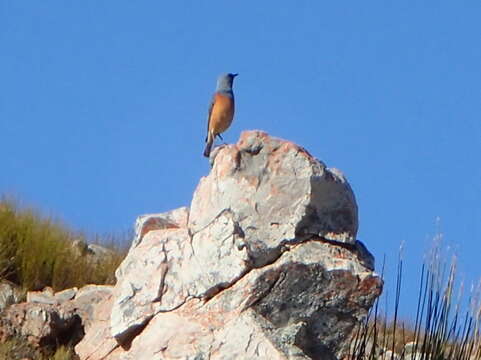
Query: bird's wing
[{"x": 211, "y": 106}]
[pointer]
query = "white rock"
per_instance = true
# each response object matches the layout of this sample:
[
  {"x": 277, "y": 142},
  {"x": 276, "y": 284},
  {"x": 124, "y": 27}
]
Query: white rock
[
  {"x": 9, "y": 294},
  {"x": 265, "y": 265}
]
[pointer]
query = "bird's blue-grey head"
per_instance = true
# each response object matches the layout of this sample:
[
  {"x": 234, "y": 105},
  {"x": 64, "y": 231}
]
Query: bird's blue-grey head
[{"x": 224, "y": 83}]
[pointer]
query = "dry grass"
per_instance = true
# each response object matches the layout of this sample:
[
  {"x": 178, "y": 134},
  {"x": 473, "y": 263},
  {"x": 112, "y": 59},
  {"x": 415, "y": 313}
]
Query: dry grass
[
  {"x": 36, "y": 251},
  {"x": 16, "y": 349}
]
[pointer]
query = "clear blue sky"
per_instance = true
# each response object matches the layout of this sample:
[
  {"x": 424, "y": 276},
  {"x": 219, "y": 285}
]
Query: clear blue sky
[{"x": 103, "y": 107}]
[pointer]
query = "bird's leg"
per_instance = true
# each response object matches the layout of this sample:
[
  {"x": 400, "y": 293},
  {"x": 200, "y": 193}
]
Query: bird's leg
[{"x": 220, "y": 137}]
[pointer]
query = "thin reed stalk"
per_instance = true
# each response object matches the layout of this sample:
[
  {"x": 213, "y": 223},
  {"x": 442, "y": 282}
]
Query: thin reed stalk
[{"x": 441, "y": 331}]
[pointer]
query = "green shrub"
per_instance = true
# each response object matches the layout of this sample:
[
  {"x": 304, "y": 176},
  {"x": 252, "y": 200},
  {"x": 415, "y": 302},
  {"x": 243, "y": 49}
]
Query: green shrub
[{"x": 36, "y": 252}]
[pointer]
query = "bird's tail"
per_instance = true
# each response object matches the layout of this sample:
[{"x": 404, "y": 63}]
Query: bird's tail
[{"x": 208, "y": 146}]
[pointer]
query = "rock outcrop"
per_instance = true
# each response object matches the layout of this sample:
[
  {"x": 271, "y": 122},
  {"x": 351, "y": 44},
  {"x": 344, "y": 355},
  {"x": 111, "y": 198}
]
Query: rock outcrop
[
  {"x": 264, "y": 265},
  {"x": 50, "y": 319},
  {"x": 9, "y": 294}
]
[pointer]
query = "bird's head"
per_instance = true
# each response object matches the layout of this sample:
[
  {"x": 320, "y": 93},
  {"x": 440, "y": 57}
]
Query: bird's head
[{"x": 225, "y": 81}]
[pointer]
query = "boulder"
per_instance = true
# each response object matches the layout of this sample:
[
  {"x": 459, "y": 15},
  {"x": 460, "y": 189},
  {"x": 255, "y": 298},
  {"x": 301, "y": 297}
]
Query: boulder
[
  {"x": 65, "y": 295},
  {"x": 46, "y": 296},
  {"x": 98, "y": 252},
  {"x": 40, "y": 324},
  {"x": 93, "y": 252},
  {"x": 79, "y": 247},
  {"x": 86, "y": 300},
  {"x": 264, "y": 264},
  {"x": 9, "y": 294},
  {"x": 49, "y": 319}
]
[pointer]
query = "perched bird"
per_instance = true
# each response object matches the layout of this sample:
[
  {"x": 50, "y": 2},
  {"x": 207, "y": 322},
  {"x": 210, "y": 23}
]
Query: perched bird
[{"x": 221, "y": 110}]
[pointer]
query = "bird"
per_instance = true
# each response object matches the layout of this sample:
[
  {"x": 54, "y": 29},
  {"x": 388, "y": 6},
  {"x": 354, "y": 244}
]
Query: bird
[{"x": 221, "y": 110}]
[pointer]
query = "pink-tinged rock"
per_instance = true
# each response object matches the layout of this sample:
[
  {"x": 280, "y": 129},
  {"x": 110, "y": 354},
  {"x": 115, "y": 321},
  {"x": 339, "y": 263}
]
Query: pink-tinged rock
[
  {"x": 40, "y": 324},
  {"x": 265, "y": 266},
  {"x": 151, "y": 281},
  {"x": 159, "y": 239},
  {"x": 302, "y": 306},
  {"x": 277, "y": 192},
  {"x": 86, "y": 300},
  {"x": 173, "y": 219},
  {"x": 53, "y": 324},
  {"x": 186, "y": 338},
  {"x": 98, "y": 343}
]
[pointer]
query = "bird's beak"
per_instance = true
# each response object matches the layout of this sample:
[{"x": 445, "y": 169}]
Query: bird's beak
[{"x": 234, "y": 75}]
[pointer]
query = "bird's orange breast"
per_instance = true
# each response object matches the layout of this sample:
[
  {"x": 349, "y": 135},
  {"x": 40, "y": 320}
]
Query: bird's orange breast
[{"x": 222, "y": 113}]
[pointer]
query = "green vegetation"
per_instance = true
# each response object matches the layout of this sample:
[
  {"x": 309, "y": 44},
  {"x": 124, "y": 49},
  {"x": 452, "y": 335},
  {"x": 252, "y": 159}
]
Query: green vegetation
[
  {"x": 36, "y": 252},
  {"x": 16, "y": 349},
  {"x": 20, "y": 349},
  {"x": 443, "y": 329},
  {"x": 64, "y": 353}
]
